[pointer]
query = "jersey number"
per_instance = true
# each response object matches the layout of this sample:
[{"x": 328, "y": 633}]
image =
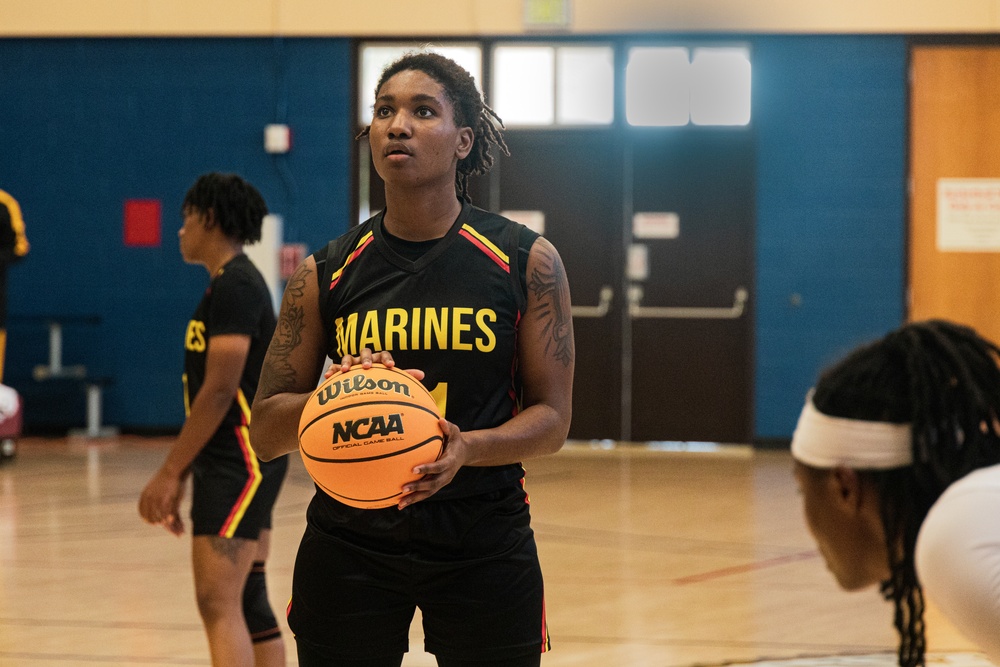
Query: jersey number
[{"x": 440, "y": 395}]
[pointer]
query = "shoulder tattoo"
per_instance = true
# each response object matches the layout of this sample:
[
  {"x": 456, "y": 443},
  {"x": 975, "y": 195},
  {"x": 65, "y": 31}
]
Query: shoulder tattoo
[
  {"x": 279, "y": 374},
  {"x": 548, "y": 283}
]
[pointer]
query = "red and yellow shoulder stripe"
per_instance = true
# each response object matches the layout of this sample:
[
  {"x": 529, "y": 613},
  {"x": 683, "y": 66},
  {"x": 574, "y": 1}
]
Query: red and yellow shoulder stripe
[
  {"x": 489, "y": 249},
  {"x": 363, "y": 243}
]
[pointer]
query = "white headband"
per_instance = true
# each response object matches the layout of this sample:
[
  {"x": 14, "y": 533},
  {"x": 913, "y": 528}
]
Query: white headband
[{"x": 823, "y": 441}]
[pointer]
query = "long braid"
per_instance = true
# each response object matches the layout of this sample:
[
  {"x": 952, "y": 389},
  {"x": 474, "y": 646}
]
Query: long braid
[
  {"x": 480, "y": 159},
  {"x": 944, "y": 380},
  {"x": 903, "y": 589},
  {"x": 470, "y": 111}
]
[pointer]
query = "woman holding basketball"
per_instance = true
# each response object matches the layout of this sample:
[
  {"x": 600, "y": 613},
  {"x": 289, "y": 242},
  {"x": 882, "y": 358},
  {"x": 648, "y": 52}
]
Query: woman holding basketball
[
  {"x": 480, "y": 307},
  {"x": 232, "y": 492},
  {"x": 898, "y": 459}
]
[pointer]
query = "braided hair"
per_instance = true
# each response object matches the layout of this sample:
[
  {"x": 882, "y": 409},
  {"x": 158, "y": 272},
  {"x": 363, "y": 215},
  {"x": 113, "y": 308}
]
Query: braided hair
[
  {"x": 237, "y": 206},
  {"x": 943, "y": 379},
  {"x": 470, "y": 111}
]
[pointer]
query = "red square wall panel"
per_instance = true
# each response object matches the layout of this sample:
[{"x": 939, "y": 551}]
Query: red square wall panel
[{"x": 143, "y": 220}]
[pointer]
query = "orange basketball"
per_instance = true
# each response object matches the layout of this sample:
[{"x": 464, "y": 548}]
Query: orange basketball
[{"x": 362, "y": 432}]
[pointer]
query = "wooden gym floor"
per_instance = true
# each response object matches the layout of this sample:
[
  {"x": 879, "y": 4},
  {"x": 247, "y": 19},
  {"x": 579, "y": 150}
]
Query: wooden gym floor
[{"x": 651, "y": 559}]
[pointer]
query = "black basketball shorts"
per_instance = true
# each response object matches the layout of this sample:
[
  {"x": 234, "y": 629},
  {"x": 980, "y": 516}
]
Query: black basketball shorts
[
  {"x": 233, "y": 492},
  {"x": 469, "y": 564}
]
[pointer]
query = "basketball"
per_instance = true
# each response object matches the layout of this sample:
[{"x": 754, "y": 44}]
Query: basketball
[{"x": 362, "y": 432}]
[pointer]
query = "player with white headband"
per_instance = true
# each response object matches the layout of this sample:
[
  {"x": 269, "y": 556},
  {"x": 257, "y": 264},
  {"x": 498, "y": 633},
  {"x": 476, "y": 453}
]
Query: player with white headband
[{"x": 897, "y": 456}]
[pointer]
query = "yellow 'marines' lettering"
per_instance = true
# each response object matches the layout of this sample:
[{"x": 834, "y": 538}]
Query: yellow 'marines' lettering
[
  {"x": 460, "y": 326},
  {"x": 436, "y": 324},
  {"x": 370, "y": 332},
  {"x": 490, "y": 341},
  {"x": 194, "y": 339},
  {"x": 417, "y": 329},
  {"x": 395, "y": 327}
]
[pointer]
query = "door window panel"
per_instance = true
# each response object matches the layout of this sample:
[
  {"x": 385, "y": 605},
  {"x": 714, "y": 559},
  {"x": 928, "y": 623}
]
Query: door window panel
[
  {"x": 720, "y": 87},
  {"x": 672, "y": 86},
  {"x": 376, "y": 56},
  {"x": 552, "y": 85},
  {"x": 585, "y": 85},
  {"x": 657, "y": 86},
  {"x": 524, "y": 84},
  {"x": 549, "y": 85}
]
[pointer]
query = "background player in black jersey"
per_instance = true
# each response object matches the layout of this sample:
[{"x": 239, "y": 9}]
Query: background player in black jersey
[
  {"x": 479, "y": 306},
  {"x": 233, "y": 492}
]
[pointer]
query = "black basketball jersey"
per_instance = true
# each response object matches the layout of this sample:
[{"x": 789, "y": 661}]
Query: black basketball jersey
[
  {"x": 452, "y": 312},
  {"x": 237, "y": 301}
]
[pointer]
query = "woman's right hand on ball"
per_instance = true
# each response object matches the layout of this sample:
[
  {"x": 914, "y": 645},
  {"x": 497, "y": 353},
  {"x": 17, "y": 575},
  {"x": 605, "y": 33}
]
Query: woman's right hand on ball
[{"x": 366, "y": 359}]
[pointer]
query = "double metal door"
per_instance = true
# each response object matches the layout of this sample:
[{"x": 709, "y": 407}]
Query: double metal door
[{"x": 655, "y": 229}]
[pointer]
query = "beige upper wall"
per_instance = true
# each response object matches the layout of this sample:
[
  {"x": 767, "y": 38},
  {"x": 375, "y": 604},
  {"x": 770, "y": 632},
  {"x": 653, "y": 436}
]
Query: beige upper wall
[{"x": 485, "y": 17}]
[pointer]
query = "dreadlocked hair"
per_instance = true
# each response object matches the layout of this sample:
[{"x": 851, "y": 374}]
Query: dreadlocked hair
[
  {"x": 238, "y": 208},
  {"x": 943, "y": 379},
  {"x": 470, "y": 111}
]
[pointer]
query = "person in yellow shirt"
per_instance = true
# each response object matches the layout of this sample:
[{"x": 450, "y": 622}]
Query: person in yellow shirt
[{"x": 13, "y": 247}]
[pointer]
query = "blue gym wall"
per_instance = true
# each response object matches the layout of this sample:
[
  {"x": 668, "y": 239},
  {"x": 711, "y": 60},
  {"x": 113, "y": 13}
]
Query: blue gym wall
[
  {"x": 88, "y": 123},
  {"x": 831, "y": 119}
]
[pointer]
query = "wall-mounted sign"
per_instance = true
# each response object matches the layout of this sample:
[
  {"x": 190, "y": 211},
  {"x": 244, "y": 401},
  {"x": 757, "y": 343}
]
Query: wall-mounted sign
[
  {"x": 968, "y": 215},
  {"x": 546, "y": 14},
  {"x": 656, "y": 225}
]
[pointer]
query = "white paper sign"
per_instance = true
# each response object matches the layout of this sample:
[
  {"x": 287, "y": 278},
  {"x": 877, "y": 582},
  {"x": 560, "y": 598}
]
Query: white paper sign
[
  {"x": 656, "y": 225},
  {"x": 968, "y": 215}
]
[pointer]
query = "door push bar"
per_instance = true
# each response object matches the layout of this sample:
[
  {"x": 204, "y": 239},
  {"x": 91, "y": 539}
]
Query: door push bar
[
  {"x": 731, "y": 313},
  {"x": 600, "y": 310}
]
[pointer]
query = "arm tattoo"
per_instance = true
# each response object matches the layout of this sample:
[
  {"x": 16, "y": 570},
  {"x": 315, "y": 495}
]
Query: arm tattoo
[
  {"x": 548, "y": 283},
  {"x": 278, "y": 374}
]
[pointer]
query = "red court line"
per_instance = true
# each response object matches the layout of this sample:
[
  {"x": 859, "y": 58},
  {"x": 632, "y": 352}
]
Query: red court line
[{"x": 749, "y": 567}]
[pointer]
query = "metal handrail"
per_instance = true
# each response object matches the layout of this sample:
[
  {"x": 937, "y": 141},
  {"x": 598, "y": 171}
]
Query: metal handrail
[
  {"x": 740, "y": 297},
  {"x": 600, "y": 310}
]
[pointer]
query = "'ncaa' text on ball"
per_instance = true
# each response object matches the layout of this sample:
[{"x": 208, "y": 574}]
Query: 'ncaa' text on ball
[{"x": 352, "y": 429}]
